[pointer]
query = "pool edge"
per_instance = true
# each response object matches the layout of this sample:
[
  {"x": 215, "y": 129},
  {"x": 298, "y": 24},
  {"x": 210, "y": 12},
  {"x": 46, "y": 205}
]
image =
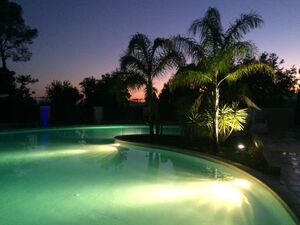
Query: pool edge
[{"x": 262, "y": 179}]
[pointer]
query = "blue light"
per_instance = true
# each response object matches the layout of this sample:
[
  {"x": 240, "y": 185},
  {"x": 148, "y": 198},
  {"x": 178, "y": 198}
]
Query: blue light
[{"x": 45, "y": 114}]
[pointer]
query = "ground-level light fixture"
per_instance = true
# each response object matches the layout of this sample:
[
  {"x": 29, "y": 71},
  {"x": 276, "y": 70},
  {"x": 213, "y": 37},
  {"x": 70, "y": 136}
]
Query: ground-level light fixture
[{"x": 241, "y": 146}]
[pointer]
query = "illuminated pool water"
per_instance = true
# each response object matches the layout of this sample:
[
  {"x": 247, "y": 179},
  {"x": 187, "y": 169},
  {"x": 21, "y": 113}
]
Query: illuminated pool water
[{"x": 79, "y": 176}]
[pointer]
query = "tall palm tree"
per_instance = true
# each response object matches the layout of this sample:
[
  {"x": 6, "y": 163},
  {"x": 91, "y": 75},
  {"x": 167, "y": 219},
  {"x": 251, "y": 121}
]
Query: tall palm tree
[
  {"x": 212, "y": 35},
  {"x": 215, "y": 58},
  {"x": 145, "y": 60}
]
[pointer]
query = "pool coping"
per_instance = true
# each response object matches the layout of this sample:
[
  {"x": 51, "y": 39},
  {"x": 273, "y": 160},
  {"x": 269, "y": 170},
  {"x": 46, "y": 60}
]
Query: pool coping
[{"x": 278, "y": 190}]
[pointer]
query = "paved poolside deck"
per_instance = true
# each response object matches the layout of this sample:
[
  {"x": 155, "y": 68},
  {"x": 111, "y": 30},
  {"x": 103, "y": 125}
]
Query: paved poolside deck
[{"x": 282, "y": 150}]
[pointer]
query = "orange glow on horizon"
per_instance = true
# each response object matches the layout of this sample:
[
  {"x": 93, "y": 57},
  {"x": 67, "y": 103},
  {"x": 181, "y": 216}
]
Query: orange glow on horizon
[
  {"x": 158, "y": 84},
  {"x": 137, "y": 95}
]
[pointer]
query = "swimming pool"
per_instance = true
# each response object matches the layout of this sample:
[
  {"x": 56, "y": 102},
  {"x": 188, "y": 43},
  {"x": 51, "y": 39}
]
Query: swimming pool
[{"x": 79, "y": 176}]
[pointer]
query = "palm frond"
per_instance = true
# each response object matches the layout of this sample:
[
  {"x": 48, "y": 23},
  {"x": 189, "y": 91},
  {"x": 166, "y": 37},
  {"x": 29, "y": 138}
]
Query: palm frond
[
  {"x": 139, "y": 44},
  {"x": 129, "y": 62},
  {"x": 249, "y": 102},
  {"x": 209, "y": 24},
  {"x": 242, "y": 26},
  {"x": 241, "y": 49},
  {"x": 159, "y": 47},
  {"x": 221, "y": 63},
  {"x": 167, "y": 60},
  {"x": 133, "y": 79},
  {"x": 190, "y": 78},
  {"x": 165, "y": 56},
  {"x": 209, "y": 29},
  {"x": 249, "y": 69},
  {"x": 160, "y": 43},
  {"x": 190, "y": 47},
  {"x": 242, "y": 93}
]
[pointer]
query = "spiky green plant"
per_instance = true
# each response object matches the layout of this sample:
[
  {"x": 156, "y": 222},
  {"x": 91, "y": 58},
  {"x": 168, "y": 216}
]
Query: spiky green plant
[
  {"x": 193, "y": 124},
  {"x": 231, "y": 119}
]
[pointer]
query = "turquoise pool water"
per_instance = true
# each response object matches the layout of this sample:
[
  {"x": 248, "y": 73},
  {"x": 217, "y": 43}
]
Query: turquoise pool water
[{"x": 78, "y": 176}]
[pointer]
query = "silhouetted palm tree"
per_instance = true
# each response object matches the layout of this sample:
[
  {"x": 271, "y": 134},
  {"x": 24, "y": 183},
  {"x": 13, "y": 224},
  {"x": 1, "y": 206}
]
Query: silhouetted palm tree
[
  {"x": 215, "y": 59},
  {"x": 211, "y": 32},
  {"x": 144, "y": 61}
]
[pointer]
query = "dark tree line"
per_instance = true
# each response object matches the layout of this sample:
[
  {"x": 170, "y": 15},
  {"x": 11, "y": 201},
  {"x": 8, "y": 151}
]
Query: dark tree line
[
  {"x": 144, "y": 61},
  {"x": 109, "y": 91},
  {"x": 62, "y": 97},
  {"x": 68, "y": 103},
  {"x": 16, "y": 101},
  {"x": 268, "y": 91}
]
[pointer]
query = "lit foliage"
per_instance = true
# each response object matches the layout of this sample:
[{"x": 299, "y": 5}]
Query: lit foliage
[
  {"x": 216, "y": 59},
  {"x": 194, "y": 118},
  {"x": 231, "y": 119},
  {"x": 211, "y": 75},
  {"x": 194, "y": 122}
]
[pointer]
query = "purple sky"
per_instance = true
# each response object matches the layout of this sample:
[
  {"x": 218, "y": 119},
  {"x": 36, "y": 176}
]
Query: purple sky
[{"x": 80, "y": 38}]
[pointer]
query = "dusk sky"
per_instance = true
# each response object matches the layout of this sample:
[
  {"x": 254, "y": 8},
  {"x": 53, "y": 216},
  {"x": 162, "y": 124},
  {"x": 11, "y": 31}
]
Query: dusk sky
[{"x": 81, "y": 38}]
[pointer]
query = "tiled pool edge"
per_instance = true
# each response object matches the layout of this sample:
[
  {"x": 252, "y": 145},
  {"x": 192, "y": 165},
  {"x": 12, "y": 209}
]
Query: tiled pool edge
[{"x": 279, "y": 191}]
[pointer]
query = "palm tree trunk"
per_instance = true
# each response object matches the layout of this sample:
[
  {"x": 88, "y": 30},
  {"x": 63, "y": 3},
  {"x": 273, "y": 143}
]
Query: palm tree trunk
[
  {"x": 216, "y": 120},
  {"x": 150, "y": 118},
  {"x": 149, "y": 97},
  {"x": 151, "y": 127},
  {"x": 3, "y": 58}
]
